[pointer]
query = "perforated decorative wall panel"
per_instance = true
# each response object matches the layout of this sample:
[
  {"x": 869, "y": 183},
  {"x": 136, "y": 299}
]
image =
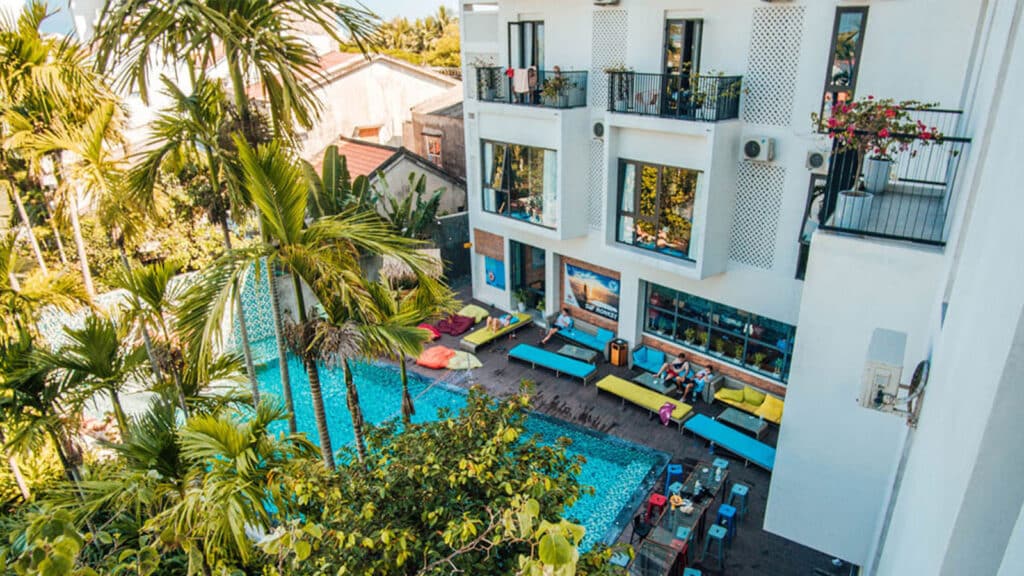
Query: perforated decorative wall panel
[
  {"x": 595, "y": 185},
  {"x": 772, "y": 64},
  {"x": 609, "y": 39},
  {"x": 756, "y": 218}
]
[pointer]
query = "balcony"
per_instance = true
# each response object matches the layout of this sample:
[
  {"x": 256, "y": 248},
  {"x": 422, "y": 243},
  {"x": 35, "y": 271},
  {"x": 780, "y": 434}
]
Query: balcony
[
  {"x": 913, "y": 203},
  {"x": 550, "y": 89},
  {"x": 679, "y": 96}
]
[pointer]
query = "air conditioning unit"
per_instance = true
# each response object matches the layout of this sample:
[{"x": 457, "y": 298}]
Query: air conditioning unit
[
  {"x": 883, "y": 369},
  {"x": 598, "y": 130},
  {"x": 817, "y": 161},
  {"x": 759, "y": 149}
]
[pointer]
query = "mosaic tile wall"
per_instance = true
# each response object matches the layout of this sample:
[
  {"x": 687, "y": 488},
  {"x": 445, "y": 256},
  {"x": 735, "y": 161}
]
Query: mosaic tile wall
[{"x": 259, "y": 315}]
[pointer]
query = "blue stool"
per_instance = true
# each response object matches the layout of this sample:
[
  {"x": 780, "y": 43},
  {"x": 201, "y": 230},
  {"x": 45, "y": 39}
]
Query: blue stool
[
  {"x": 727, "y": 518},
  {"x": 691, "y": 572},
  {"x": 739, "y": 495},
  {"x": 683, "y": 533},
  {"x": 721, "y": 463},
  {"x": 674, "y": 473},
  {"x": 716, "y": 535},
  {"x": 619, "y": 559}
]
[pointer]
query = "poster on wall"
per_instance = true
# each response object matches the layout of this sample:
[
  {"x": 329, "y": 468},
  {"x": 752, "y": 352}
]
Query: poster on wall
[
  {"x": 495, "y": 272},
  {"x": 592, "y": 292}
]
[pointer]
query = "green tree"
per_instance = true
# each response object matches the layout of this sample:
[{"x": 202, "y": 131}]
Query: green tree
[{"x": 415, "y": 216}]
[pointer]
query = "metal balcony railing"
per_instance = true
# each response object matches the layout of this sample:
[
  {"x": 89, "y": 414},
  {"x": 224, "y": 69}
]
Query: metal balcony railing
[
  {"x": 911, "y": 200},
  {"x": 566, "y": 89},
  {"x": 681, "y": 96}
]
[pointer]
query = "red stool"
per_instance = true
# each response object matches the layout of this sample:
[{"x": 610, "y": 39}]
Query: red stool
[
  {"x": 682, "y": 548},
  {"x": 655, "y": 501}
]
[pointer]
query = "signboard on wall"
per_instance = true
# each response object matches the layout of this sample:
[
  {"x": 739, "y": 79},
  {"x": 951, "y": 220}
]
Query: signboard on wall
[
  {"x": 592, "y": 292},
  {"x": 495, "y": 272}
]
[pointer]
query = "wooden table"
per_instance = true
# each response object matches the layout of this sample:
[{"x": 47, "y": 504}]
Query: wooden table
[
  {"x": 743, "y": 422},
  {"x": 578, "y": 353}
]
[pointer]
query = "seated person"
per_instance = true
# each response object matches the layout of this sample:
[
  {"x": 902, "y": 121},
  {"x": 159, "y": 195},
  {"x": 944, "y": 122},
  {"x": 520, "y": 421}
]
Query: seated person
[
  {"x": 564, "y": 320},
  {"x": 701, "y": 379},
  {"x": 496, "y": 324},
  {"x": 676, "y": 372}
]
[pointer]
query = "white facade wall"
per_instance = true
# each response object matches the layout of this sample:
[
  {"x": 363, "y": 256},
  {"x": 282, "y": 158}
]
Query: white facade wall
[{"x": 379, "y": 93}]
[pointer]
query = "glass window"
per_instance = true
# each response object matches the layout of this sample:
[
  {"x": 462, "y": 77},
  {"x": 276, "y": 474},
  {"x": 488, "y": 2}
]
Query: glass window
[
  {"x": 656, "y": 209},
  {"x": 847, "y": 45},
  {"x": 432, "y": 144},
  {"x": 521, "y": 182},
  {"x": 732, "y": 335}
]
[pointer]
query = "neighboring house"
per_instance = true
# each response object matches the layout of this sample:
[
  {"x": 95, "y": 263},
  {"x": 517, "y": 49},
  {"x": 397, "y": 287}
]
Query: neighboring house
[
  {"x": 654, "y": 188},
  {"x": 436, "y": 132},
  {"x": 395, "y": 164},
  {"x": 369, "y": 98}
]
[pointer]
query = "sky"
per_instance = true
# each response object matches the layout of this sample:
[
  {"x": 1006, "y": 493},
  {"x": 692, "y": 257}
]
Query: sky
[{"x": 386, "y": 9}]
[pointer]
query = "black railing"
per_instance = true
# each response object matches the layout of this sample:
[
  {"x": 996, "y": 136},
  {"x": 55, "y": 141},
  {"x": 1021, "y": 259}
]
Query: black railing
[
  {"x": 686, "y": 97},
  {"x": 547, "y": 88},
  {"x": 910, "y": 198}
]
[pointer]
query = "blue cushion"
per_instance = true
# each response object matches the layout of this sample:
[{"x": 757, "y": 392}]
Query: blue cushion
[
  {"x": 732, "y": 440},
  {"x": 552, "y": 361},
  {"x": 604, "y": 335},
  {"x": 648, "y": 359}
]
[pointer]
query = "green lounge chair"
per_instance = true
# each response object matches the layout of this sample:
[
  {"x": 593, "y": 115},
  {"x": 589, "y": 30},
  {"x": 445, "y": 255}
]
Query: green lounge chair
[{"x": 475, "y": 340}]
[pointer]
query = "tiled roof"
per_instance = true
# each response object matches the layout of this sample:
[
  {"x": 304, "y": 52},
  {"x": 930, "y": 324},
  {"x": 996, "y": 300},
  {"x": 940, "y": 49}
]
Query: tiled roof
[{"x": 362, "y": 158}]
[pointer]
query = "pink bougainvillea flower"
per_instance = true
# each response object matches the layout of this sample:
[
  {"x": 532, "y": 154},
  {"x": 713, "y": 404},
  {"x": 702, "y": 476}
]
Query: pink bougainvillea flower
[
  {"x": 870, "y": 97},
  {"x": 832, "y": 122},
  {"x": 883, "y": 133},
  {"x": 890, "y": 113},
  {"x": 509, "y": 72}
]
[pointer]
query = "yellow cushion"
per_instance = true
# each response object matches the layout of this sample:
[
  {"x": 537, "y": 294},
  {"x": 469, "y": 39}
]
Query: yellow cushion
[
  {"x": 473, "y": 311},
  {"x": 463, "y": 361},
  {"x": 771, "y": 409},
  {"x": 752, "y": 397},
  {"x": 734, "y": 394}
]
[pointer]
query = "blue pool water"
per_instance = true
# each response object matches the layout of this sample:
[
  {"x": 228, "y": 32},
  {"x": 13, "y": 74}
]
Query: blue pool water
[{"x": 621, "y": 472}]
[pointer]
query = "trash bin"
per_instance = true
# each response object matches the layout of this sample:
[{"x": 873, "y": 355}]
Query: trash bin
[{"x": 620, "y": 352}]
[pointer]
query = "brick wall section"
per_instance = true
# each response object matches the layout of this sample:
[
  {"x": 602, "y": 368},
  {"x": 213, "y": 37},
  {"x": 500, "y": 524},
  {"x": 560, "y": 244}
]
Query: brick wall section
[
  {"x": 490, "y": 245},
  {"x": 729, "y": 370},
  {"x": 580, "y": 313}
]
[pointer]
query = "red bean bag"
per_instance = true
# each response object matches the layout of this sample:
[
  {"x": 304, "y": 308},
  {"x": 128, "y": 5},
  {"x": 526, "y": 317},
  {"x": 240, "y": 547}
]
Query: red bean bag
[
  {"x": 455, "y": 325},
  {"x": 434, "y": 334},
  {"x": 435, "y": 357}
]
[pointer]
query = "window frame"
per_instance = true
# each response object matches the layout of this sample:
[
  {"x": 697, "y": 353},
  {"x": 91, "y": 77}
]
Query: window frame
[
  {"x": 536, "y": 46},
  {"x": 714, "y": 318},
  {"x": 509, "y": 179},
  {"x": 439, "y": 160},
  {"x": 636, "y": 216},
  {"x": 834, "y": 89}
]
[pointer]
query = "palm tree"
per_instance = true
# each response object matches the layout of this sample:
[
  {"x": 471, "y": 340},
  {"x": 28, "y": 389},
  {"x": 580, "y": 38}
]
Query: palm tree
[
  {"x": 95, "y": 358},
  {"x": 333, "y": 191},
  {"x": 24, "y": 293},
  {"x": 413, "y": 216},
  {"x": 323, "y": 256}
]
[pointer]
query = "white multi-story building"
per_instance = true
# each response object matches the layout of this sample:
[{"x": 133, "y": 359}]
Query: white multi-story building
[{"x": 653, "y": 165}]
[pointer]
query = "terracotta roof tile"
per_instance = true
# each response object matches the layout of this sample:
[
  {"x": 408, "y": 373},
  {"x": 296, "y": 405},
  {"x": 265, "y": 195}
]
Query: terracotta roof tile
[{"x": 362, "y": 158}]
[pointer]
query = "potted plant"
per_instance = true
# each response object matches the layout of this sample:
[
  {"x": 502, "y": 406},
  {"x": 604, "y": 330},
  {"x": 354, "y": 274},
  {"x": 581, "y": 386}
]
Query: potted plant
[
  {"x": 702, "y": 339},
  {"x": 486, "y": 76},
  {"x": 522, "y": 296},
  {"x": 622, "y": 86},
  {"x": 690, "y": 334},
  {"x": 556, "y": 90},
  {"x": 720, "y": 346},
  {"x": 759, "y": 358},
  {"x": 876, "y": 129},
  {"x": 737, "y": 353}
]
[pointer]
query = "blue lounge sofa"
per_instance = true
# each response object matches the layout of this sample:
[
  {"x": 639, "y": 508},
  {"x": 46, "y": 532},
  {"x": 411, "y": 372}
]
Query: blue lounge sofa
[
  {"x": 597, "y": 340},
  {"x": 560, "y": 364},
  {"x": 648, "y": 359},
  {"x": 732, "y": 440}
]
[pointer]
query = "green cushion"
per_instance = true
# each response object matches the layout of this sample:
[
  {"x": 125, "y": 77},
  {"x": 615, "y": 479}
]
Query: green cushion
[
  {"x": 473, "y": 311},
  {"x": 752, "y": 397},
  {"x": 463, "y": 361},
  {"x": 734, "y": 394}
]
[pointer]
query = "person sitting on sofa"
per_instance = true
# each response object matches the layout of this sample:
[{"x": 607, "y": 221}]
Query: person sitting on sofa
[
  {"x": 700, "y": 380},
  {"x": 564, "y": 321},
  {"x": 496, "y": 324},
  {"x": 676, "y": 373}
]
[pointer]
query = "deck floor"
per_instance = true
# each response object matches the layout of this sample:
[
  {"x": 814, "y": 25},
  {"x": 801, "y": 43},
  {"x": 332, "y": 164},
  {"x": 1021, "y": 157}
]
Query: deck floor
[{"x": 754, "y": 552}]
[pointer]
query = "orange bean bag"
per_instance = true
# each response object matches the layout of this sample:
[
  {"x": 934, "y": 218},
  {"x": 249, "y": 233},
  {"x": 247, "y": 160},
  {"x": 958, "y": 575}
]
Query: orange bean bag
[{"x": 435, "y": 357}]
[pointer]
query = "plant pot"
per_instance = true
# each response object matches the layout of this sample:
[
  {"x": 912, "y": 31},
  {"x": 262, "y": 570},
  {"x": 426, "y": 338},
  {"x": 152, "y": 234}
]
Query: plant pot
[
  {"x": 852, "y": 209},
  {"x": 876, "y": 174},
  {"x": 488, "y": 94},
  {"x": 521, "y": 306},
  {"x": 621, "y": 105}
]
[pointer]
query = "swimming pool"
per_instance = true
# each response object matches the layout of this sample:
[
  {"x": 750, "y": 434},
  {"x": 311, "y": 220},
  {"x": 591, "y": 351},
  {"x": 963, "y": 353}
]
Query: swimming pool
[{"x": 621, "y": 472}]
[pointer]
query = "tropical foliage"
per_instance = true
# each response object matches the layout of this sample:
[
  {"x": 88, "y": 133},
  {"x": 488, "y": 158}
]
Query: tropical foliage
[{"x": 431, "y": 41}]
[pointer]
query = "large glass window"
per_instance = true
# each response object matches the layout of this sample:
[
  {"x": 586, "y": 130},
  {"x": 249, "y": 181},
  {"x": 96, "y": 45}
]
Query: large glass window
[
  {"x": 655, "y": 210},
  {"x": 844, "y": 56},
  {"x": 520, "y": 182},
  {"x": 732, "y": 335}
]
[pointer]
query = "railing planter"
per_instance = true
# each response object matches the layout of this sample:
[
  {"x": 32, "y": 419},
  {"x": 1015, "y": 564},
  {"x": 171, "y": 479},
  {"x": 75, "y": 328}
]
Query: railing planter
[
  {"x": 877, "y": 173},
  {"x": 852, "y": 208},
  {"x": 568, "y": 89},
  {"x": 704, "y": 98}
]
